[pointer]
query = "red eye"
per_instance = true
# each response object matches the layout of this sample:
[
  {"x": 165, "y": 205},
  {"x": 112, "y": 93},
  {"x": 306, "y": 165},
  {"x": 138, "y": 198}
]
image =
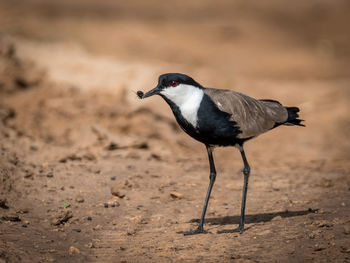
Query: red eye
[{"x": 174, "y": 83}]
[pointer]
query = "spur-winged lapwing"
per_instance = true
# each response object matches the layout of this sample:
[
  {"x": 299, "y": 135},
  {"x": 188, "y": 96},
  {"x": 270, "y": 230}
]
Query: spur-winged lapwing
[{"x": 220, "y": 118}]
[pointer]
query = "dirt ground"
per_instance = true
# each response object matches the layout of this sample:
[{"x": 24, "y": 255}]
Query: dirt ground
[{"x": 89, "y": 173}]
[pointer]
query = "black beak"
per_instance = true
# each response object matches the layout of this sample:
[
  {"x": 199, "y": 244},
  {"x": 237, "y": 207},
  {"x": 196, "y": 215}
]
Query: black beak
[{"x": 152, "y": 92}]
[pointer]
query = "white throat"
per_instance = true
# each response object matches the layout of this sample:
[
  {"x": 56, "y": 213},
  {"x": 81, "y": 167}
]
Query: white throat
[{"x": 188, "y": 98}]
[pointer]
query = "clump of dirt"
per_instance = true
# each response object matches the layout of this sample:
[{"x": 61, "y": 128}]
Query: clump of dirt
[{"x": 16, "y": 73}]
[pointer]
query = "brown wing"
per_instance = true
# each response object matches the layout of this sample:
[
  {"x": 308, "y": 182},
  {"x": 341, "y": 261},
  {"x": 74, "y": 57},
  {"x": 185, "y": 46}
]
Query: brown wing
[{"x": 252, "y": 116}]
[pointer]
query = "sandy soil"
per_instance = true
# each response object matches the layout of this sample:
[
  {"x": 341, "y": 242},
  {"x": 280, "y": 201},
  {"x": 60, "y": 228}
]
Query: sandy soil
[{"x": 89, "y": 173}]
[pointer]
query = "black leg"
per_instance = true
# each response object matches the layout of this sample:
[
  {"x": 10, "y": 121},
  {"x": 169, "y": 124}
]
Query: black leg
[
  {"x": 246, "y": 172},
  {"x": 212, "y": 177}
]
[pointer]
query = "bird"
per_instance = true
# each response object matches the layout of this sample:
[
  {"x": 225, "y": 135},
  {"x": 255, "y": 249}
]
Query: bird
[{"x": 220, "y": 118}]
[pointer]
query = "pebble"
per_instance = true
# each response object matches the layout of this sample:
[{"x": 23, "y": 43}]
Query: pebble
[
  {"x": 73, "y": 251},
  {"x": 90, "y": 245},
  {"x": 34, "y": 147},
  {"x": 345, "y": 249},
  {"x": 105, "y": 205},
  {"x": 89, "y": 156},
  {"x": 113, "y": 203},
  {"x": 319, "y": 247},
  {"x": 28, "y": 174},
  {"x": 49, "y": 175},
  {"x": 277, "y": 218},
  {"x": 113, "y": 178},
  {"x": 323, "y": 223},
  {"x": 98, "y": 227},
  {"x": 89, "y": 218},
  {"x": 115, "y": 190},
  {"x": 22, "y": 211},
  {"x": 11, "y": 218},
  {"x": 77, "y": 230},
  {"x": 347, "y": 229},
  {"x": 313, "y": 234},
  {"x": 79, "y": 199},
  {"x": 176, "y": 195},
  {"x": 62, "y": 217},
  {"x": 3, "y": 203}
]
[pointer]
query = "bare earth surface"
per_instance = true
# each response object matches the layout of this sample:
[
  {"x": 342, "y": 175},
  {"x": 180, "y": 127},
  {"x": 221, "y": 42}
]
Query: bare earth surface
[{"x": 89, "y": 173}]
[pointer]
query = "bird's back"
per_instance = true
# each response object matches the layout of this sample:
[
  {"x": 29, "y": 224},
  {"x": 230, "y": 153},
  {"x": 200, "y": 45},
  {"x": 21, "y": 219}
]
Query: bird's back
[{"x": 252, "y": 116}]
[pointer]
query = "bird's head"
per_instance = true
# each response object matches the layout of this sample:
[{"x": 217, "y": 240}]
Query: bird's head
[{"x": 171, "y": 84}]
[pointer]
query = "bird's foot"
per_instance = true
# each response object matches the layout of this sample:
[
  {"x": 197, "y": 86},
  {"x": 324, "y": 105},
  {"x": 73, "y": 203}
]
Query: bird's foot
[
  {"x": 199, "y": 230},
  {"x": 239, "y": 229}
]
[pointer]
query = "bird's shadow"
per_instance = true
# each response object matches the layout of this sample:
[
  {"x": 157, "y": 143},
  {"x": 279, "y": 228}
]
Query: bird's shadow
[{"x": 257, "y": 218}]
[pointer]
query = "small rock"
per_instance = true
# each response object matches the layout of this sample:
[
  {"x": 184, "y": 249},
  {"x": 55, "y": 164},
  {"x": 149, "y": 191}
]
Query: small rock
[
  {"x": 116, "y": 191},
  {"x": 133, "y": 155},
  {"x": 89, "y": 156},
  {"x": 22, "y": 211},
  {"x": 314, "y": 234},
  {"x": 62, "y": 217},
  {"x": 28, "y": 173},
  {"x": 112, "y": 146},
  {"x": 131, "y": 232},
  {"x": 347, "y": 229},
  {"x": 70, "y": 157},
  {"x": 143, "y": 221},
  {"x": 319, "y": 247},
  {"x": 98, "y": 227},
  {"x": 113, "y": 203},
  {"x": 105, "y": 205},
  {"x": 34, "y": 147},
  {"x": 113, "y": 178},
  {"x": 11, "y": 218},
  {"x": 77, "y": 230},
  {"x": 79, "y": 199},
  {"x": 90, "y": 245},
  {"x": 323, "y": 223},
  {"x": 325, "y": 183},
  {"x": 345, "y": 249},
  {"x": 155, "y": 156},
  {"x": 89, "y": 218},
  {"x": 276, "y": 218},
  {"x": 73, "y": 251},
  {"x": 49, "y": 175},
  {"x": 3, "y": 203},
  {"x": 176, "y": 195}
]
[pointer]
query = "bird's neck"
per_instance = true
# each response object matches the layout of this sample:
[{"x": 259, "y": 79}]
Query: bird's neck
[{"x": 187, "y": 98}]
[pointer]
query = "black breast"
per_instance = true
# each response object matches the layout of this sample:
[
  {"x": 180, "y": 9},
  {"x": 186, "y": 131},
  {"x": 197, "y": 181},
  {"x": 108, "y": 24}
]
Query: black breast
[{"x": 214, "y": 126}]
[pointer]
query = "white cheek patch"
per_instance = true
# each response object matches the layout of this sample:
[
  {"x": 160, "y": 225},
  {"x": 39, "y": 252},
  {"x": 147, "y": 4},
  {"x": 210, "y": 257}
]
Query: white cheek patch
[{"x": 188, "y": 98}]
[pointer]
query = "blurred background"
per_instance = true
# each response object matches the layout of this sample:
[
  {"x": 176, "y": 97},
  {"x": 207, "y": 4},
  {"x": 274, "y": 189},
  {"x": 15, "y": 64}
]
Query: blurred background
[
  {"x": 69, "y": 71},
  {"x": 298, "y": 53}
]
